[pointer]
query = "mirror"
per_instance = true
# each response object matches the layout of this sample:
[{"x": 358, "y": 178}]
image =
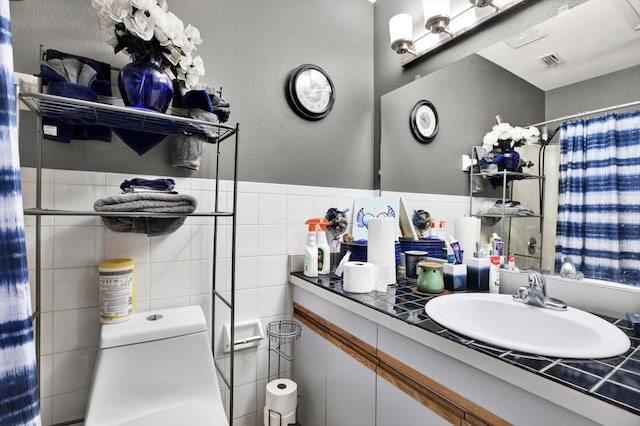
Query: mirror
[{"x": 575, "y": 62}]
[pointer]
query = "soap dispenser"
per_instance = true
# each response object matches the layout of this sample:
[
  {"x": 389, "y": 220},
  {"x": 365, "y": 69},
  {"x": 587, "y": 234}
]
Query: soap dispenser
[
  {"x": 311, "y": 250},
  {"x": 324, "y": 253}
]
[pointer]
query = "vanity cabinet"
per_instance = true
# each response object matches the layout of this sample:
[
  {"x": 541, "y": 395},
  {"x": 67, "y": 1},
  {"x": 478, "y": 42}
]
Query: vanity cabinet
[
  {"x": 426, "y": 374},
  {"x": 334, "y": 387},
  {"x": 394, "y": 407},
  {"x": 521, "y": 225},
  {"x": 343, "y": 379},
  {"x": 74, "y": 111}
]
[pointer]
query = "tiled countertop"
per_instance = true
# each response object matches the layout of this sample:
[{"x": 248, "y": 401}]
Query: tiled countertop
[{"x": 613, "y": 380}]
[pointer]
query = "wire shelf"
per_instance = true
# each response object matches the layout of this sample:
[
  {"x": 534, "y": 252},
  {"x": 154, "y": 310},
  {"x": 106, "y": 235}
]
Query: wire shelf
[
  {"x": 81, "y": 112},
  {"x": 283, "y": 331}
]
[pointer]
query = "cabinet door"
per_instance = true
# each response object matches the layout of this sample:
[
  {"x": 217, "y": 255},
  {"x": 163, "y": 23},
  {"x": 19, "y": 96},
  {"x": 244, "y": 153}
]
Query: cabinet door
[
  {"x": 351, "y": 390},
  {"x": 394, "y": 407},
  {"x": 310, "y": 376}
]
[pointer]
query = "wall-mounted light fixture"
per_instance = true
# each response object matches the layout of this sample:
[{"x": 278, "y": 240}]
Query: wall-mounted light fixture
[{"x": 444, "y": 20}]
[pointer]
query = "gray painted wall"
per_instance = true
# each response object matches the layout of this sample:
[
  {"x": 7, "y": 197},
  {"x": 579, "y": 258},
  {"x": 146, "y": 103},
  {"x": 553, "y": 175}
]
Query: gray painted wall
[
  {"x": 600, "y": 92},
  {"x": 467, "y": 94},
  {"x": 249, "y": 48}
]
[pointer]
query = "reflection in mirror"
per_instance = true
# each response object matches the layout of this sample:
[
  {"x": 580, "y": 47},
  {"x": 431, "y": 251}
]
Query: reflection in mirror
[{"x": 577, "y": 65}]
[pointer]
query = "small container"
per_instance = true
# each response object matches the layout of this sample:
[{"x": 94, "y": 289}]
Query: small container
[
  {"x": 412, "y": 258},
  {"x": 430, "y": 279},
  {"x": 117, "y": 299},
  {"x": 455, "y": 277},
  {"x": 478, "y": 273}
]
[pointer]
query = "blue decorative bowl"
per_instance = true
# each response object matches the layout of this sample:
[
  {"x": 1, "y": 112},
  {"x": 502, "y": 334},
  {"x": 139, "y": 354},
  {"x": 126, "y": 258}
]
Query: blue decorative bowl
[
  {"x": 434, "y": 246},
  {"x": 358, "y": 251}
]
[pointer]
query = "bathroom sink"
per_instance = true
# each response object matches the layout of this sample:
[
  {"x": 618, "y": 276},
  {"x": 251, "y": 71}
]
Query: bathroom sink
[{"x": 499, "y": 320}]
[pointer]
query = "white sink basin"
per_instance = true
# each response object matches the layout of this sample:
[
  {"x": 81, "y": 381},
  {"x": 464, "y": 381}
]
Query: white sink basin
[{"x": 503, "y": 322}]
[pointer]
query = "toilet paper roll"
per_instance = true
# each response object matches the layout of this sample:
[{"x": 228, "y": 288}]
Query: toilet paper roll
[
  {"x": 467, "y": 232},
  {"x": 281, "y": 396},
  {"x": 359, "y": 277},
  {"x": 274, "y": 419},
  {"x": 381, "y": 250}
]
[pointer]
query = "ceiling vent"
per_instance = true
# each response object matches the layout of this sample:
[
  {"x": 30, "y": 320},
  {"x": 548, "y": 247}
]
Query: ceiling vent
[{"x": 551, "y": 60}]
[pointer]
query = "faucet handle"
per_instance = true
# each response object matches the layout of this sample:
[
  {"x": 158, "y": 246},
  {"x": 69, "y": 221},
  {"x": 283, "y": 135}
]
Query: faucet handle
[
  {"x": 536, "y": 280},
  {"x": 522, "y": 294}
]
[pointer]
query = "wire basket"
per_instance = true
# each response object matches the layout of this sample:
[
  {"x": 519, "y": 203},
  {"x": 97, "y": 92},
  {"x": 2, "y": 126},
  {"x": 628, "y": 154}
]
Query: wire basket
[{"x": 283, "y": 331}]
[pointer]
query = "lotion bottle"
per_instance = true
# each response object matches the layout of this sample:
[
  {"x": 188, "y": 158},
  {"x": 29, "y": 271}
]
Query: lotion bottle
[
  {"x": 311, "y": 250},
  {"x": 324, "y": 252}
]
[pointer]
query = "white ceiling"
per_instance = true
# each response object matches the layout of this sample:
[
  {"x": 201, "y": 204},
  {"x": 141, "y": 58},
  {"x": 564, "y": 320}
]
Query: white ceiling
[{"x": 595, "y": 38}]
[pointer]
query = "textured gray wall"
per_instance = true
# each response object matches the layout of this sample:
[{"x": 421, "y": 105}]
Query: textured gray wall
[
  {"x": 601, "y": 92},
  {"x": 249, "y": 48},
  {"x": 467, "y": 95}
]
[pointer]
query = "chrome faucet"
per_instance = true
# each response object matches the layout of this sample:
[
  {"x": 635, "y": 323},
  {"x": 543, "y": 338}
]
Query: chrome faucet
[
  {"x": 536, "y": 294},
  {"x": 568, "y": 270}
]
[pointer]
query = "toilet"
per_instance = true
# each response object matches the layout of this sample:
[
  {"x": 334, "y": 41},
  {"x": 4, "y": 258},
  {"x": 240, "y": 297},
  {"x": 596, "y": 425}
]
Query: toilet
[{"x": 156, "y": 369}]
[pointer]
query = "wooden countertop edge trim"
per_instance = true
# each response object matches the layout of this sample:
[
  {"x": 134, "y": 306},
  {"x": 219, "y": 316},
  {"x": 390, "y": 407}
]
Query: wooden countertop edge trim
[
  {"x": 448, "y": 395},
  {"x": 448, "y": 404}
]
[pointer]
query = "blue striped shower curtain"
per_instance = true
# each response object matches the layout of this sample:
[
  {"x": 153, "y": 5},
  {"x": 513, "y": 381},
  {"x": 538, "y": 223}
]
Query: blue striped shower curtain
[
  {"x": 599, "y": 197},
  {"x": 18, "y": 383}
]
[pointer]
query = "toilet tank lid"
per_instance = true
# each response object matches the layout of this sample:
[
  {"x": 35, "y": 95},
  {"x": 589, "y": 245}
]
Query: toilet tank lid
[{"x": 153, "y": 325}]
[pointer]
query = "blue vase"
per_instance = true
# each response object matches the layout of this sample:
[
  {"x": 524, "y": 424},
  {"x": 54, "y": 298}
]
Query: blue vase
[
  {"x": 508, "y": 161},
  {"x": 144, "y": 84}
]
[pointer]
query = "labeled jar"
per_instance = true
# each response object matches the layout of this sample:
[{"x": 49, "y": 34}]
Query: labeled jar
[{"x": 117, "y": 300}]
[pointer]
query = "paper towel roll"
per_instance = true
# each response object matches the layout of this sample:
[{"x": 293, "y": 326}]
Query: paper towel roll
[
  {"x": 281, "y": 396},
  {"x": 381, "y": 250},
  {"x": 275, "y": 419},
  {"x": 467, "y": 232},
  {"x": 359, "y": 277}
]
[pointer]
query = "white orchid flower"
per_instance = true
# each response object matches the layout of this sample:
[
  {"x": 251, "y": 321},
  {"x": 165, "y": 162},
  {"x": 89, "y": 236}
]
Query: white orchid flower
[
  {"x": 98, "y": 4},
  {"x": 143, "y": 4},
  {"x": 116, "y": 10},
  {"x": 141, "y": 25},
  {"x": 193, "y": 34}
]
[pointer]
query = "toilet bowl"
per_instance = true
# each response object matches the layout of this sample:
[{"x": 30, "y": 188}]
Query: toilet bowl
[{"x": 154, "y": 370}]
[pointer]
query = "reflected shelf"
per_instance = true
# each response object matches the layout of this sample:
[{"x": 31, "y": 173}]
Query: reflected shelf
[{"x": 513, "y": 175}]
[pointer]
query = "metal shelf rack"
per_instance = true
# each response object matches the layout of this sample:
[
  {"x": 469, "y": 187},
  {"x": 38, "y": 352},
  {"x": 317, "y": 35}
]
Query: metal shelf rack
[
  {"x": 75, "y": 111},
  {"x": 507, "y": 179}
]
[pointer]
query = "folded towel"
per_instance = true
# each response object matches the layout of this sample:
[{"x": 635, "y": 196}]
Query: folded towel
[
  {"x": 186, "y": 150},
  {"x": 146, "y": 202},
  {"x": 103, "y": 70},
  {"x": 71, "y": 70},
  {"x": 152, "y": 226},
  {"x": 167, "y": 184},
  {"x": 140, "y": 142},
  {"x": 79, "y": 78},
  {"x": 200, "y": 99}
]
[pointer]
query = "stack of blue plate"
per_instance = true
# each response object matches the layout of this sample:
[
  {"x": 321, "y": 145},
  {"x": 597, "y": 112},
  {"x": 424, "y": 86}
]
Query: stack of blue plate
[
  {"x": 432, "y": 245},
  {"x": 358, "y": 251}
]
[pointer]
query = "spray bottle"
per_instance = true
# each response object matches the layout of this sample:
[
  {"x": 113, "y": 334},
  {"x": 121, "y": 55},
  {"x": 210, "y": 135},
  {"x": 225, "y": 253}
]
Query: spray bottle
[
  {"x": 324, "y": 252},
  {"x": 311, "y": 250},
  {"x": 442, "y": 230}
]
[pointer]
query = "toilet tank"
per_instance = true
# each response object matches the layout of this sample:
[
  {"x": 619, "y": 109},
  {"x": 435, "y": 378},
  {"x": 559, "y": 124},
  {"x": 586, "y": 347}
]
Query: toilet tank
[
  {"x": 154, "y": 368},
  {"x": 149, "y": 326}
]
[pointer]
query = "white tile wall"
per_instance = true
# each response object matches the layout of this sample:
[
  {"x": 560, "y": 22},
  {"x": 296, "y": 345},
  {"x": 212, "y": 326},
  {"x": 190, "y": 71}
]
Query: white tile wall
[{"x": 174, "y": 270}]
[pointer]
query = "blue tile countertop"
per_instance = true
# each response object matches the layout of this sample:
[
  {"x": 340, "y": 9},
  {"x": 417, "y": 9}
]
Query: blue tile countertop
[{"x": 614, "y": 380}]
